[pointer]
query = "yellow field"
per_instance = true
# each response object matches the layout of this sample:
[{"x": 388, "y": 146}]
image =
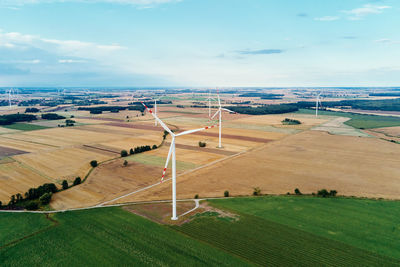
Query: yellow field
[{"x": 309, "y": 161}]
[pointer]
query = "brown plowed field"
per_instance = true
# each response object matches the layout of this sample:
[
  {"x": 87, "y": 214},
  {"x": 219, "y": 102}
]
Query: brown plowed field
[{"x": 7, "y": 152}]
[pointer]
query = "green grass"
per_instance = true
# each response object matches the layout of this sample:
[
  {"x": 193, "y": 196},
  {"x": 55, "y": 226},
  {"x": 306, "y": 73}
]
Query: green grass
[
  {"x": 25, "y": 127},
  {"x": 306, "y": 231},
  {"x": 111, "y": 237},
  {"x": 359, "y": 121},
  {"x": 15, "y": 226},
  {"x": 160, "y": 161}
]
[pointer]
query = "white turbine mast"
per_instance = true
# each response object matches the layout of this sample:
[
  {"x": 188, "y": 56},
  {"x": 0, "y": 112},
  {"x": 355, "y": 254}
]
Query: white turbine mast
[
  {"x": 209, "y": 98},
  {"x": 155, "y": 110},
  {"x": 172, "y": 152},
  {"x": 317, "y": 102},
  {"x": 219, "y": 111}
]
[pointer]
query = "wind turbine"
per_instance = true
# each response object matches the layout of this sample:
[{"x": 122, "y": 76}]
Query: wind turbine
[
  {"x": 219, "y": 111},
  {"x": 155, "y": 111},
  {"x": 209, "y": 98},
  {"x": 317, "y": 101},
  {"x": 172, "y": 152}
]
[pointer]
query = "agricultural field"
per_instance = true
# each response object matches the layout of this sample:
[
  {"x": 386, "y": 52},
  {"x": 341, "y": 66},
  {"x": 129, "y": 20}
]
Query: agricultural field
[
  {"x": 107, "y": 236},
  {"x": 310, "y": 160},
  {"x": 25, "y": 127}
]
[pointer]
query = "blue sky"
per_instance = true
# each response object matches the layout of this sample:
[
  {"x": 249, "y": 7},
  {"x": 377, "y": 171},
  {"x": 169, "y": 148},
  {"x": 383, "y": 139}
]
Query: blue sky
[{"x": 199, "y": 43}]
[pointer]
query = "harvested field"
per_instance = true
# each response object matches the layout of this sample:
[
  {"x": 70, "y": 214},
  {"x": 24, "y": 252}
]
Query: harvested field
[
  {"x": 17, "y": 178},
  {"x": 389, "y": 131},
  {"x": 309, "y": 161},
  {"x": 337, "y": 127},
  {"x": 62, "y": 164},
  {"x": 27, "y": 145},
  {"x": 106, "y": 182},
  {"x": 202, "y": 149},
  {"x": 6, "y": 152}
]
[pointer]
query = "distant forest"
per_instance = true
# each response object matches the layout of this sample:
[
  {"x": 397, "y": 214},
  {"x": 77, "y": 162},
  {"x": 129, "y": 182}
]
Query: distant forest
[
  {"x": 11, "y": 118},
  {"x": 262, "y": 95},
  {"x": 267, "y": 109}
]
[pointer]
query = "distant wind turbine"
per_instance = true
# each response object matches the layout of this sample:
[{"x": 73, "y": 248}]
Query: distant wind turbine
[
  {"x": 317, "y": 102},
  {"x": 219, "y": 111}
]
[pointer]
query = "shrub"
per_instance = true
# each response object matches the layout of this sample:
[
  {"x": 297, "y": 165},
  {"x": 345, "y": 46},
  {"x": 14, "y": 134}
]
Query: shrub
[
  {"x": 77, "y": 180},
  {"x": 125, "y": 163},
  {"x": 196, "y": 196},
  {"x": 257, "y": 191},
  {"x": 1, "y": 204},
  {"x": 32, "y": 205},
  {"x": 323, "y": 193},
  {"x": 131, "y": 151},
  {"x": 124, "y": 153},
  {"x": 202, "y": 144},
  {"x": 64, "y": 184},
  {"x": 165, "y": 134},
  {"x": 93, "y": 163},
  {"x": 297, "y": 191},
  {"x": 45, "y": 198},
  {"x": 332, "y": 193},
  {"x": 288, "y": 121},
  {"x": 154, "y": 147},
  {"x": 226, "y": 193}
]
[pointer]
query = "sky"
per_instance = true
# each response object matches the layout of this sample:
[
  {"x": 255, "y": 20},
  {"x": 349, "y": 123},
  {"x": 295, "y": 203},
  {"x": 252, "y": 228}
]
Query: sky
[{"x": 199, "y": 43}]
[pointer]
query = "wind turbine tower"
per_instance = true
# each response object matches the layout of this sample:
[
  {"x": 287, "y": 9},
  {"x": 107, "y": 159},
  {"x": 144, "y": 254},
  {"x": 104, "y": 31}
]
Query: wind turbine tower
[
  {"x": 172, "y": 153},
  {"x": 219, "y": 111},
  {"x": 317, "y": 102}
]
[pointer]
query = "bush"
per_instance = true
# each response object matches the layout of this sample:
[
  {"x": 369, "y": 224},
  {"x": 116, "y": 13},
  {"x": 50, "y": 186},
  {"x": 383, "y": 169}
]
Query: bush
[
  {"x": 64, "y": 184},
  {"x": 257, "y": 191},
  {"x": 124, "y": 153},
  {"x": 226, "y": 193},
  {"x": 32, "y": 205},
  {"x": 131, "y": 151},
  {"x": 45, "y": 198},
  {"x": 154, "y": 147},
  {"x": 196, "y": 196},
  {"x": 332, "y": 193},
  {"x": 288, "y": 121},
  {"x": 323, "y": 193},
  {"x": 125, "y": 163},
  {"x": 202, "y": 144},
  {"x": 77, "y": 180},
  {"x": 165, "y": 134},
  {"x": 93, "y": 163},
  {"x": 297, "y": 191}
]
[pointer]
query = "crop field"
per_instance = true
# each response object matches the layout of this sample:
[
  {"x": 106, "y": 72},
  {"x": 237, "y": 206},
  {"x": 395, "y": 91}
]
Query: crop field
[
  {"x": 389, "y": 131},
  {"x": 360, "y": 121},
  {"x": 311, "y": 160},
  {"x": 303, "y": 231},
  {"x": 18, "y": 178},
  {"x": 338, "y": 127},
  {"x": 109, "y": 236},
  {"x": 25, "y": 127}
]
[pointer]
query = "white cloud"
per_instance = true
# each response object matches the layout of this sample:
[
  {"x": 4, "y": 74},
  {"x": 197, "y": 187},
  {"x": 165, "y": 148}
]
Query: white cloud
[
  {"x": 71, "y": 61},
  {"x": 368, "y": 9},
  {"x": 327, "y": 18},
  {"x": 145, "y": 3},
  {"x": 387, "y": 41}
]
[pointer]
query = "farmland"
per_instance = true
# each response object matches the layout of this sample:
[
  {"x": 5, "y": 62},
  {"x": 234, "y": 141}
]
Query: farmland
[
  {"x": 108, "y": 236},
  {"x": 25, "y": 127}
]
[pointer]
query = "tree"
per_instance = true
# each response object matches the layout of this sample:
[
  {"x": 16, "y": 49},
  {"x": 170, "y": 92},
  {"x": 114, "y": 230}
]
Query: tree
[
  {"x": 165, "y": 134},
  {"x": 93, "y": 163},
  {"x": 323, "y": 193},
  {"x": 226, "y": 193},
  {"x": 125, "y": 163},
  {"x": 257, "y": 191},
  {"x": 124, "y": 153},
  {"x": 12, "y": 200},
  {"x": 45, "y": 198},
  {"x": 297, "y": 191},
  {"x": 77, "y": 180},
  {"x": 332, "y": 193},
  {"x": 1, "y": 204},
  {"x": 64, "y": 184},
  {"x": 19, "y": 197},
  {"x": 202, "y": 144},
  {"x": 196, "y": 196},
  {"x": 32, "y": 205},
  {"x": 131, "y": 152},
  {"x": 154, "y": 147}
]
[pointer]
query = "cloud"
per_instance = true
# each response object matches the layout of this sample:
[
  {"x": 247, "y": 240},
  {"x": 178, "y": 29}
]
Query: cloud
[
  {"x": 261, "y": 52},
  {"x": 386, "y": 41},
  {"x": 327, "y": 18},
  {"x": 368, "y": 9},
  {"x": 302, "y": 15},
  {"x": 349, "y": 37},
  {"x": 71, "y": 61}
]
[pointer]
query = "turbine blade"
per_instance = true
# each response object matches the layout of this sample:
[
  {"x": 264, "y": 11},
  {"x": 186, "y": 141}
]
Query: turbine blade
[
  {"x": 168, "y": 157},
  {"x": 215, "y": 114},
  {"x": 196, "y": 130},
  {"x": 230, "y": 111},
  {"x": 160, "y": 121},
  {"x": 219, "y": 101}
]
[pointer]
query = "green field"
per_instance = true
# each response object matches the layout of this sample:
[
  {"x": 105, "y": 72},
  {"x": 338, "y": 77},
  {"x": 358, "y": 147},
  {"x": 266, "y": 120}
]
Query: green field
[
  {"x": 305, "y": 231},
  {"x": 160, "y": 161},
  {"x": 25, "y": 127},
  {"x": 359, "y": 121},
  {"x": 107, "y": 237}
]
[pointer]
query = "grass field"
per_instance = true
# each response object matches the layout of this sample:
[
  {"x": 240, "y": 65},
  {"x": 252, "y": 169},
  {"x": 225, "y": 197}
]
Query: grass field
[
  {"x": 108, "y": 237},
  {"x": 25, "y": 127},
  {"x": 160, "y": 161},
  {"x": 360, "y": 121},
  {"x": 304, "y": 231}
]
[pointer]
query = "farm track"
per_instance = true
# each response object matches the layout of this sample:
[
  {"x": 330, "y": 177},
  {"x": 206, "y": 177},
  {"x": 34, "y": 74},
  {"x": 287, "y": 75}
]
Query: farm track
[{"x": 101, "y": 149}]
